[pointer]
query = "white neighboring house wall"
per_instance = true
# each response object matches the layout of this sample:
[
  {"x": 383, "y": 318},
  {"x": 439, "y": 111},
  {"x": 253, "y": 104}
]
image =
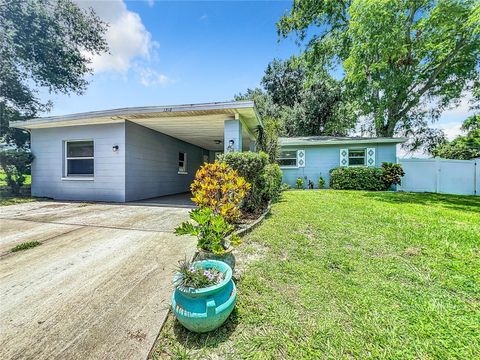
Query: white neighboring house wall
[{"x": 445, "y": 176}]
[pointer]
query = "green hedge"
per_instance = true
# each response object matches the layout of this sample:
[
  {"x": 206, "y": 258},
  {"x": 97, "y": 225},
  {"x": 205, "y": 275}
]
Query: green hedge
[
  {"x": 265, "y": 178},
  {"x": 357, "y": 178}
]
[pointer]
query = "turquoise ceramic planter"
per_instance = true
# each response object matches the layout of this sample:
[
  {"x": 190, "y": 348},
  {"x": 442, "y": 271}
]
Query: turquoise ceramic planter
[{"x": 202, "y": 310}]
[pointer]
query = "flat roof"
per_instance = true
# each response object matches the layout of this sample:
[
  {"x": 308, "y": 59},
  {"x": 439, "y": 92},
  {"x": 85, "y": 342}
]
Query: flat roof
[
  {"x": 199, "y": 124},
  {"x": 165, "y": 110},
  {"x": 337, "y": 140}
]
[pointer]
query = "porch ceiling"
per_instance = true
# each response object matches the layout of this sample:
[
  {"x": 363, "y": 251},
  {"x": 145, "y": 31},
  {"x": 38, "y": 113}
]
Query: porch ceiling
[{"x": 200, "y": 130}]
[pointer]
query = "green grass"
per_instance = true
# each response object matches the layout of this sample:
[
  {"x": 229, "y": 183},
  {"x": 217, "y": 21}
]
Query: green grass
[
  {"x": 25, "y": 246},
  {"x": 342, "y": 275},
  {"x": 9, "y": 200},
  {"x": 3, "y": 182}
]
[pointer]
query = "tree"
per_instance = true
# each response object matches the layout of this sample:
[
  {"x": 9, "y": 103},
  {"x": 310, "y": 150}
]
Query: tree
[
  {"x": 43, "y": 44},
  {"x": 304, "y": 106},
  {"x": 463, "y": 147},
  {"x": 16, "y": 163},
  {"x": 267, "y": 137},
  {"x": 398, "y": 56}
]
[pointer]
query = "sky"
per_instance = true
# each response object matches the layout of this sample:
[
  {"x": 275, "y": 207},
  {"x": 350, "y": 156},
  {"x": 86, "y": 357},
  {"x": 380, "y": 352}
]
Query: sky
[{"x": 182, "y": 52}]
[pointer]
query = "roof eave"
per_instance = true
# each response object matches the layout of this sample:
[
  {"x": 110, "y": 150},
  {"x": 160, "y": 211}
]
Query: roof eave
[
  {"x": 26, "y": 124},
  {"x": 343, "y": 142}
]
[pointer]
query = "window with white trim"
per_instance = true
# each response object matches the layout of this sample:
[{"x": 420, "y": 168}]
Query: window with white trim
[
  {"x": 182, "y": 163},
  {"x": 288, "y": 158},
  {"x": 79, "y": 160},
  {"x": 356, "y": 157}
]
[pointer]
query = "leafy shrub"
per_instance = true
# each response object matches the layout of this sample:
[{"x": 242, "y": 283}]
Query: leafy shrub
[
  {"x": 218, "y": 187},
  {"x": 285, "y": 187},
  {"x": 264, "y": 178},
  {"x": 357, "y": 178},
  {"x": 299, "y": 183},
  {"x": 321, "y": 182},
  {"x": 211, "y": 230},
  {"x": 16, "y": 164},
  {"x": 272, "y": 182},
  {"x": 392, "y": 174}
]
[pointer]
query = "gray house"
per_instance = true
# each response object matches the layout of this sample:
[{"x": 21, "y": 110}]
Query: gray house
[
  {"x": 311, "y": 157},
  {"x": 144, "y": 152},
  {"x": 133, "y": 153}
]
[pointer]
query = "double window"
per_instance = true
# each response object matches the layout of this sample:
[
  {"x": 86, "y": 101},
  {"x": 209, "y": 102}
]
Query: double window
[
  {"x": 356, "y": 157},
  {"x": 79, "y": 161},
  {"x": 182, "y": 163},
  {"x": 288, "y": 158}
]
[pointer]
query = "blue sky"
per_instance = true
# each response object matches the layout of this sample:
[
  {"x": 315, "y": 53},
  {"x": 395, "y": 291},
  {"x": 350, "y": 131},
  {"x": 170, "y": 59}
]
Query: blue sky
[{"x": 181, "y": 52}]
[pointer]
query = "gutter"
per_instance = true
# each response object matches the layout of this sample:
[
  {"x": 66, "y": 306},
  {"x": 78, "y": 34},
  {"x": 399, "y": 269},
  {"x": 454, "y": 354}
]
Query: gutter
[{"x": 344, "y": 142}]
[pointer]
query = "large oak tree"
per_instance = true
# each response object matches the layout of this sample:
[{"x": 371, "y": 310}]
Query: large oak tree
[
  {"x": 405, "y": 61},
  {"x": 43, "y": 44}
]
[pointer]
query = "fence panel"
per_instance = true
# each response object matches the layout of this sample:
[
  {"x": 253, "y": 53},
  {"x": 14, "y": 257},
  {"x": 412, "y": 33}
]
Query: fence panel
[{"x": 441, "y": 175}]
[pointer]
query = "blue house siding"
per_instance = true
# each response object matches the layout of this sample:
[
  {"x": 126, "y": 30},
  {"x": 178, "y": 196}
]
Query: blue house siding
[
  {"x": 319, "y": 159},
  {"x": 151, "y": 163},
  {"x": 48, "y": 166}
]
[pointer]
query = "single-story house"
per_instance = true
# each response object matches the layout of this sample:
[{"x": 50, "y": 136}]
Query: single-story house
[
  {"x": 144, "y": 152},
  {"x": 310, "y": 157},
  {"x": 134, "y": 153}
]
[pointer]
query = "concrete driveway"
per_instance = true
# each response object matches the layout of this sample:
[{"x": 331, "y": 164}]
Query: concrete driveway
[{"x": 99, "y": 285}]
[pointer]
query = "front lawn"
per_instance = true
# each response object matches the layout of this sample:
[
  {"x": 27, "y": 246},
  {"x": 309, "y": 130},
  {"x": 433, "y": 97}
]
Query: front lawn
[{"x": 342, "y": 274}]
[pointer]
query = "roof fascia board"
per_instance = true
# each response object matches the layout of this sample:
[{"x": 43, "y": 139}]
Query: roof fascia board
[
  {"x": 134, "y": 110},
  {"x": 343, "y": 142}
]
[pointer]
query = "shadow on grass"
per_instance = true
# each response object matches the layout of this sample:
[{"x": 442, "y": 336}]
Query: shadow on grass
[
  {"x": 456, "y": 202},
  {"x": 212, "y": 339}
]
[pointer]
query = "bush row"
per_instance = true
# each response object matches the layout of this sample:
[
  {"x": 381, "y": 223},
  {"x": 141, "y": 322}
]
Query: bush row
[{"x": 366, "y": 178}]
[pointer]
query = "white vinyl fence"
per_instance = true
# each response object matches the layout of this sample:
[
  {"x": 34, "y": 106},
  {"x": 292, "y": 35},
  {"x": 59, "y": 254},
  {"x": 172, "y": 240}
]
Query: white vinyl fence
[{"x": 441, "y": 175}]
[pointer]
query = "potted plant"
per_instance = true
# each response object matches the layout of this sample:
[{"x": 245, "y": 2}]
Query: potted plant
[
  {"x": 204, "y": 294},
  {"x": 215, "y": 235}
]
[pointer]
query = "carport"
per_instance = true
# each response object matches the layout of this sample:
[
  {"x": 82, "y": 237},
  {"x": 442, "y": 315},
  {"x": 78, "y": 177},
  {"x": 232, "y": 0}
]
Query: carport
[{"x": 136, "y": 153}]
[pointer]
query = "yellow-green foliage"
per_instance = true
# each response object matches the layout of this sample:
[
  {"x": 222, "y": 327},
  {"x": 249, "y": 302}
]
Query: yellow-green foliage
[{"x": 218, "y": 187}]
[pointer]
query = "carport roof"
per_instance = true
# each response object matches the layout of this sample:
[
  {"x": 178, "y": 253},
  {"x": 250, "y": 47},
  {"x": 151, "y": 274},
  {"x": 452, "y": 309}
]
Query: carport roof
[{"x": 199, "y": 124}]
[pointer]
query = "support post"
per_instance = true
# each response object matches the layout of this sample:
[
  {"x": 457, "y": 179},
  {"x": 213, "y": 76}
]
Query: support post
[{"x": 232, "y": 135}]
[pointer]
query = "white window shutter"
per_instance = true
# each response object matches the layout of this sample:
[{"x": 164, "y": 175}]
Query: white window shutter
[
  {"x": 343, "y": 157},
  {"x": 370, "y": 157},
  {"x": 301, "y": 158}
]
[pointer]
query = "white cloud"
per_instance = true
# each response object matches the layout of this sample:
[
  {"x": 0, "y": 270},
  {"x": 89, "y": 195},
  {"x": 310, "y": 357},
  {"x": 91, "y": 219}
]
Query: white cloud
[
  {"x": 203, "y": 17},
  {"x": 130, "y": 44},
  {"x": 126, "y": 36},
  {"x": 151, "y": 3},
  {"x": 151, "y": 77},
  {"x": 451, "y": 129}
]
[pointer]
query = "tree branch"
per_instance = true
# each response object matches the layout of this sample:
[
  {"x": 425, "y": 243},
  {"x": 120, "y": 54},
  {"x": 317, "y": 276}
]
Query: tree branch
[{"x": 430, "y": 81}]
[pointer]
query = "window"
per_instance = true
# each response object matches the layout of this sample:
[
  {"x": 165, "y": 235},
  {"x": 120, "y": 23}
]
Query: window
[
  {"x": 356, "y": 157},
  {"x": 79, "y": 159},
  {"x": 288, "y": 158},
  {"x": 182, "y": 163}
]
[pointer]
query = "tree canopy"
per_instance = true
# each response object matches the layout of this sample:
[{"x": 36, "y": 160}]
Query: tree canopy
[
  {"x": 463, "y": 147},
  {"x": 405, "y": 62},
  {"x": 43, "y": 44},
  {"x": 302, "y": 106}
]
